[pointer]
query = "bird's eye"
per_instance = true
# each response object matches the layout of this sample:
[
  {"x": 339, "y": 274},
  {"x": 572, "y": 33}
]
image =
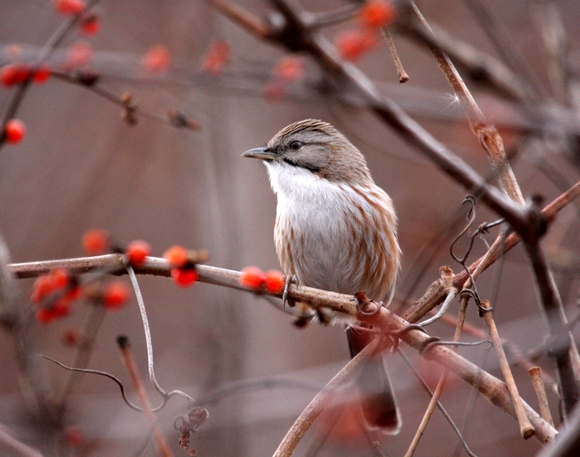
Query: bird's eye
[{"x": 295, "y": 145}]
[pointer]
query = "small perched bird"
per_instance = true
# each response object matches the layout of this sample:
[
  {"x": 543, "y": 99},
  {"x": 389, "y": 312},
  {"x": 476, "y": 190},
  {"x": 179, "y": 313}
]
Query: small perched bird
[{"x": 336, "y": 230}]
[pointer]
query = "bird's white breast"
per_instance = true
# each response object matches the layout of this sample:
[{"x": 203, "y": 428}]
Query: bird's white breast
[{"x": 322, "y": 232}]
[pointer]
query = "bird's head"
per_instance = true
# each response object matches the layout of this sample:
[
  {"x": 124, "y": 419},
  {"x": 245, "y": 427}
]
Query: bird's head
[{"x": 316, "y": 147}]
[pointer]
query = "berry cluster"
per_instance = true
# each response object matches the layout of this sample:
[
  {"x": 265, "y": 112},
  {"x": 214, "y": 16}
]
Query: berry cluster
[
  {"x": 182, "y": 263},
  {"x": 271, "y": 281},
  {"x": 373, "y": 16}
]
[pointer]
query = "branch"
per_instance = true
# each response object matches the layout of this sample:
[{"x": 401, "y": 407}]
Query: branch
[
  {"x": 500, "y": 247},
  {"x": 321, "y": 401},
  {"x": 489, "y": 386}
]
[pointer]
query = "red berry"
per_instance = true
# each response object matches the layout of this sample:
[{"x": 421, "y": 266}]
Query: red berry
[
  {"x": 377, "y": 13},
  {"x": 74, "y": 435},
  {"x": 71, "y": 337},
  {"x": 14, "y": 131},
  {"x": 45, "y": 316},
  {"x": 60, "y": 278},
  {"x": 115, "y": 295},
  {"x": 90, "y": 24},
  {"x": 13, "y": 74},
  {"x": 41, "y": 74},
  {"x": 137, "y": 251},
  {"x": 95, "y": 242},
  {"x": 252, "y": 277},
  {"x": 352, "y": 44},
  {"x": 274, "y": 281},
  {"x": 73, "y": 294},
  {"x": 184, "y": 276},
  {"x": 42, "y": 288},
  {"x": 61, "y": 308},
  {"x": 67, "y": 7},
  {"x": 176, "y": 256}
]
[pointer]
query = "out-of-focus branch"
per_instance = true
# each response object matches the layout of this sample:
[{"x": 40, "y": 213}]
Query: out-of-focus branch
[
  {"x": 130, "y": 365},
  {"x": 247, "y": 20},
  {"x": 15, "y": 319},
  {"x": 321, "y": 401},
  {"x": 11, "y": 446}
]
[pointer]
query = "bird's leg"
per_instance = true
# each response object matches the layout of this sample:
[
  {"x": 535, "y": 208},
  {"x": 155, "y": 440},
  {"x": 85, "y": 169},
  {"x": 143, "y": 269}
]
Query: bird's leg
[{"x": 290, "y": 279}]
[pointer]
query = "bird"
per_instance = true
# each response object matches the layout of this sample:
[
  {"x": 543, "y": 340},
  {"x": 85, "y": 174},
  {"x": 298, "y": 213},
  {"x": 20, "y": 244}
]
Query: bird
[{"x": 336, "y": 230}]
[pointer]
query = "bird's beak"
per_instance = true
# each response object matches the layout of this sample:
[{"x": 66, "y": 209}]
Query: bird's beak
[{"x": 260, "y": 153}]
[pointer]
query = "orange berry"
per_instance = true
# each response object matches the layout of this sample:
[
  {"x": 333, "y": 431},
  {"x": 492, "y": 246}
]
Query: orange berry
[
  {"x": 14, "y": 131},
  {"x": 352, "y": 44},
  {"x": 216, "y": 57},
  {"x": 377, "y": 13},
  {"x": 115, "y": 295},
  {"x": 156, "y": 59},
  {"x": 252, "y": 277},
  {"x": 176, "y": 256},
  {"x": 274, "y": 281},
  {"x": 13, "y": 74},
  {"x": 95, "y": 242},
  {"x": 184, "y": 276},
  {"x": 289, "y": 68},
  {"x": 137, "y": 251}
]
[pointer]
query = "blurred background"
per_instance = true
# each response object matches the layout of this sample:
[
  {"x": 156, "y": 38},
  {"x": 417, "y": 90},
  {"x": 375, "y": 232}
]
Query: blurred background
[{"x": 82, "y": 166}]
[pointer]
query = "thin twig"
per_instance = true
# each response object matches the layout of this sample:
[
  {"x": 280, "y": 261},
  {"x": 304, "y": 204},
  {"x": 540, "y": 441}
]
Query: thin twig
[
  {"x": 91, "y": 328},
  {"x": 321, "y": 401},
  {"x": 440, "y": 386},
  {"x": 481, "y": 67},
  {"x": 98, "y": 373},
  {"x": 250, "y": 22},
  {"x": 451, "y": 294},
  {"x": 526, "y": 428},
  {"x": 147, "y": 331},
  {"x": 15, "y": 448},
  {"x": 487, "y": 134},
  {"x": 439, "y": 405},
  {"x": 403, "y": 76},
  {"x": 540, "y": 390},
  {"x": 129, "y": 362}
]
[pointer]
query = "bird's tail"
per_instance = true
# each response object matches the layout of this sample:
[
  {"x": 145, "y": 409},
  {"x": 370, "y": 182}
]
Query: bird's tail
[{"x": 379, "y": 406}]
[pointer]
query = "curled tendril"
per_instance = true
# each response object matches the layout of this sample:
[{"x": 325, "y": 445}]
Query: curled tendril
[
  {"x": 100, "y": 373},
  {"x": 481, "y": 229}
]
